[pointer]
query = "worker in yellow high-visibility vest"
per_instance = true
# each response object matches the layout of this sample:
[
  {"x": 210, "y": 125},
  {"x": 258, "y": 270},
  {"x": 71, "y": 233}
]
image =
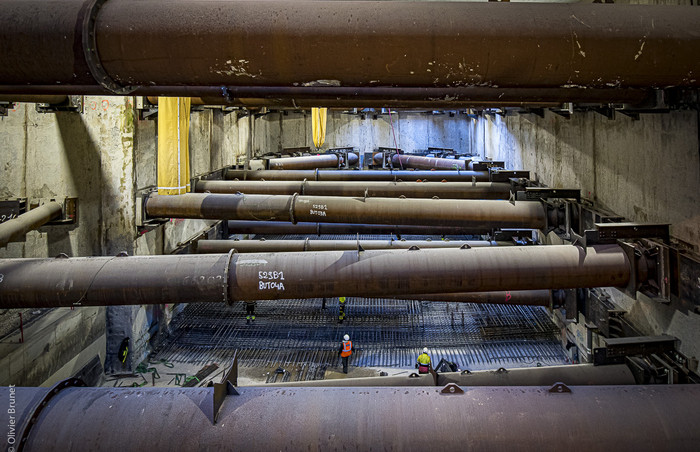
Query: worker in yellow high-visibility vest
[
  {"x": 346, "y": 349},
  {"x": 423, "y": 362}
]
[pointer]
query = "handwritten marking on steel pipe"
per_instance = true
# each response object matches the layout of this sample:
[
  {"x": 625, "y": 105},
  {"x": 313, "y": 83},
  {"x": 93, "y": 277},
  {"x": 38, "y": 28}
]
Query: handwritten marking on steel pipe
[
  {"x": 2, "y": 277},
  {"x": 270, "y": 280},
  {"x": 318, "y": 209}
]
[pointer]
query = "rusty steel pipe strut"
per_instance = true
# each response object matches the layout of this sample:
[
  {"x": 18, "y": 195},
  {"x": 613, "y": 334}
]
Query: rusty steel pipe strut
[
  {"x": 428, "y": 163},
  {"x": 657, "y": 417},
  {"x": 360, "y": 175},
  {"x": 480, "y": 215},
  {"x": 375, "y": 189},
  {"x": 281, "y": 227},
  {"x": 123, "y": 44},
  {"x": 276, "y": 246},
  {"x": 311, "y": 162},
  {"x": 97, "y": 281},
  {"x": 16, "y": 228}
]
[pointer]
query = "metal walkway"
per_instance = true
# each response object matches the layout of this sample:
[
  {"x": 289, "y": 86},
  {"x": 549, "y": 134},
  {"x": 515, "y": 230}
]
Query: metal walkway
[{"x": 302, "y": 338}]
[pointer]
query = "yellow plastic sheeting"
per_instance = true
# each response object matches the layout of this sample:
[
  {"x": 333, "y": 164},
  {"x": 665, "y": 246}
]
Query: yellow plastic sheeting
[
  {"x": 318, "y": 125},
  {"x": 173, "y": 145}
]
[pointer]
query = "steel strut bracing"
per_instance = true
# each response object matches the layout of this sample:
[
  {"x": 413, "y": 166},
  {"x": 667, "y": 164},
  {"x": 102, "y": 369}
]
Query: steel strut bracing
[
  {"x": 268, "y": 276},
  {"x": 535, "y": 418},
  {"x": 119, "y": 45},
  {"x": 281, "y": 227},
  {"x": 275, "y": 246},
  {"x": 310, "y": 162},
  {"x": 479, "y": 215},
  {"x": 15, "y": 228},
  {"x": 450, "y": 190},
  {"x": 361, "y": 175}
]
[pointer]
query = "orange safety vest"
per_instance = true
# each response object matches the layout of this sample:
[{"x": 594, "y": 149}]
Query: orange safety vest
[{"x": 347, "y": 349}]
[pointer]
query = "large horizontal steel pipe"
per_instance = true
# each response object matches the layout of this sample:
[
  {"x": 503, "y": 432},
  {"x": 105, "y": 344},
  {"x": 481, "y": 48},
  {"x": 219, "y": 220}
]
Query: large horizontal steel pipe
[
  {"x": 268, "y": 276},
  {"x": 310, "y": 162},
  {"x": 275, "y": 246},
  {"x": 16, "y": 228},
  {"x": 282, "y": 43},
  {"x": 361, "y": 175},
  {"x": 104, "y": 281},
  {"x": 452, "y": 190},
  {"x": 479, "y": 215},
  {"x": 394, "y": 273},
  {"x": 281, "y": 227},
  {"x": 428, "y": 163},
  {"x": 390, "y": 418}
]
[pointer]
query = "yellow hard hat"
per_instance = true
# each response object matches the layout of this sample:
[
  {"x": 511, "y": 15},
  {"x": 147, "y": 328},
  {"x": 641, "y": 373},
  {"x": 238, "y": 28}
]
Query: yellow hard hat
[{"x": 341, "y": 299}]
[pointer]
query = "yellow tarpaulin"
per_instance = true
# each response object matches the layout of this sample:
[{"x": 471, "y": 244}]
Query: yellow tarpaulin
[
  {"x": 173, "y": 145},
  {"x": 318, "y": 125}
]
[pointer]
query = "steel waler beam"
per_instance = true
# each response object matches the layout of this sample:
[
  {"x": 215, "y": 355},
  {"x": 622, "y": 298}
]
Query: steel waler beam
[
  {"x": 479, "y": 215},
  {"x": 310, "y": 162},
  {"x": 281, "y": 227},
  {"x": 361, "y": 175},
  {"x": 14, "y": 229},
  {"x": 97, "y": 281},
  {"x": 276, "y": 246},
  {"x": 285, "y": 44},
  {"x": 451, "y": 190}
]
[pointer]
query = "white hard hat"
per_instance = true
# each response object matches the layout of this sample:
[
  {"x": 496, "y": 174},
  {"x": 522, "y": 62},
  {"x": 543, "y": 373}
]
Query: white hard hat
[
  {"x": 425, "y": 349},
  {"x": 346, "y": 338}
]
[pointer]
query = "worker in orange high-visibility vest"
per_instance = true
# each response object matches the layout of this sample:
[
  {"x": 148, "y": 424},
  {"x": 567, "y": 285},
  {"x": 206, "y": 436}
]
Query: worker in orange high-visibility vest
[{"x": 346, "y": 349}]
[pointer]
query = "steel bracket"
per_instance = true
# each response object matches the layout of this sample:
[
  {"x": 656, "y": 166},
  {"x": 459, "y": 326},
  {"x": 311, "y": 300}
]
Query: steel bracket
[
  {"x": 71, "y": 104},
  {"x": 226, "y": 387},
  {"x": 559, "y": 388},
  {"x": 538, "y": 193},
  {"x": 69, "y": 213},
  {"x": 5, "y": 107},
  {"x": 451, "y": 389},
  {"x": 617, "y": 349},
  {"x": 611, "y": 232},
  {"x": 12, "y": 208},
  {"x": 501, "y": 175}
]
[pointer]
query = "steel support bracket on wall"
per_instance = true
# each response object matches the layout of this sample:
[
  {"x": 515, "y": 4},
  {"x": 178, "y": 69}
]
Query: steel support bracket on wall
[
  {"x": 69, "y": 214},
  {"x": 5, "y": 107},
  {"x": 73, "y": 104},
  {"x": 538, "y": 193},
  {"x": 500, "y": 175},
  {"x": 143, "y": 220}
]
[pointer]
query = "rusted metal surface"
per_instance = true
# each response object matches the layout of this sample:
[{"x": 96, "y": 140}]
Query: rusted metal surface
[
  {"x": 278, "y": 43},
  {"x": 483, "y": 418},
  {"x": 361, "y": 175},
  {"x": 420, "y": 162},
  {"x": 310, "y": 162},
  {"x": 281, "y": 227},
  {"x": 451, "y": 190},
  {"x": 102, "y": 281},
  {"x": 14, "y": 229},
  {"x": 273, "y": 246},
  {"x": 260, "y": 276},
  {"x": 269, "y": 276},
  {"x": 479, "y": 215}
]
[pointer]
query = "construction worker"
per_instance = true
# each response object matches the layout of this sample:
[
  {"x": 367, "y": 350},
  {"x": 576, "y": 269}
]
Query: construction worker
[
  {"x": 423, "y": 362},
  {"x": 249, "y": 311},
  {"x": 341, "y": 309},
  {"x": 346, "y": 349}
]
